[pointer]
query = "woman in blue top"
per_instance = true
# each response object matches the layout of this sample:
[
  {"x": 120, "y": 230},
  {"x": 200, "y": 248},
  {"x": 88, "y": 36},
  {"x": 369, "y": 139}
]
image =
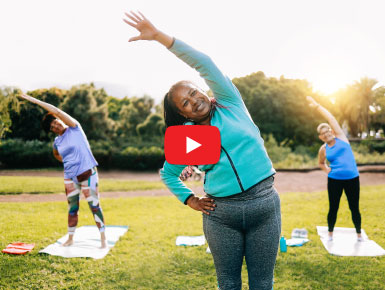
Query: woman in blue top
[
  {"x": 80, "y": 175},
  {"x": 342, "y": 172},
  {"x": 241, "y": 212}
]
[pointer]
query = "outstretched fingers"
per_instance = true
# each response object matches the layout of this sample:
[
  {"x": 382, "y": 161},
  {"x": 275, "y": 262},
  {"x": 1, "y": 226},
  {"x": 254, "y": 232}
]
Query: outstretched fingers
[
  {"x": 134, "y": 22},
  {"x": 136, "y": 16},
  {"x": 129, "y": 23},
  {"x": 144, "y": 17}
]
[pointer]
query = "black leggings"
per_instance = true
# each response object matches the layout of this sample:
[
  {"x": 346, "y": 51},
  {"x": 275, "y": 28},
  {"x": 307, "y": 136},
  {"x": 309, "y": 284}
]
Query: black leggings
[{"x": 352, "y": 191}]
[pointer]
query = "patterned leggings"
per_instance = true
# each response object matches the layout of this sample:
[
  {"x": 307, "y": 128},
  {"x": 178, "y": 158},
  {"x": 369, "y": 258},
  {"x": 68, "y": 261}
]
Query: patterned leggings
[{"x": 90, "y": 190}]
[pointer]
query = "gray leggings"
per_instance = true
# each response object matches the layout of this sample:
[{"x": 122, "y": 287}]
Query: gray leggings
[{"x": 245, "y": 225}]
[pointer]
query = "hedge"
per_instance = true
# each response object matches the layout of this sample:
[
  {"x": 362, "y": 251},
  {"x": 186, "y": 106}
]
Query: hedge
[{"x": 16, "y": 153}]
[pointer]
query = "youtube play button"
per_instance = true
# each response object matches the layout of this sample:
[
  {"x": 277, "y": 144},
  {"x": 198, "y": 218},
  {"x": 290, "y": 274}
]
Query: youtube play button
[{"x": 192, "y": 145}]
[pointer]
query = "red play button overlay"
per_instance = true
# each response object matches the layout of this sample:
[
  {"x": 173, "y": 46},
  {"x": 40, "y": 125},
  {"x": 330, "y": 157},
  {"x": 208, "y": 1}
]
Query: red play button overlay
[{"x": 192, "y": 145}]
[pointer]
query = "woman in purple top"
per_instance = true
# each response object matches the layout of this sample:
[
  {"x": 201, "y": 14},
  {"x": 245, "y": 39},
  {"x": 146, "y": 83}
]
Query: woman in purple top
[
  {"x": 342, "y": 171},
  {"x": 80, "y": 175}
]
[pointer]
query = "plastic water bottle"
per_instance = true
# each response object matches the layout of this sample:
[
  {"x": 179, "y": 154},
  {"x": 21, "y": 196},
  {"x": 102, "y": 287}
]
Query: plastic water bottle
[{"x": 282, "y": 245}]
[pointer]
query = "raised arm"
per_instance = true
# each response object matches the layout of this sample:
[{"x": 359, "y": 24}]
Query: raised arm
[
  {"x": 339, "y": 133},
  {"x": 221, "y": 86},
  {"x": 67, "y": 119}
]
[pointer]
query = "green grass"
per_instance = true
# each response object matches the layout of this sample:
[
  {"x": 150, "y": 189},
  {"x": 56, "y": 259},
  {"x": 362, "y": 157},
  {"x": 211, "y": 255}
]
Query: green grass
[
  {"x": 146, "y": 256},
  {"x": 35, "y": 184}
]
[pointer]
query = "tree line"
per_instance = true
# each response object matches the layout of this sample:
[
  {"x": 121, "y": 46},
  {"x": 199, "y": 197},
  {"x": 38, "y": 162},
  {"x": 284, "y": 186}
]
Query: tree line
[{"x": 277, "y": 105}]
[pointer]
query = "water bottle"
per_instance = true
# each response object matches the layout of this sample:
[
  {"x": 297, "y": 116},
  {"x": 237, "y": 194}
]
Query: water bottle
[{"x": 282, "y": 245}]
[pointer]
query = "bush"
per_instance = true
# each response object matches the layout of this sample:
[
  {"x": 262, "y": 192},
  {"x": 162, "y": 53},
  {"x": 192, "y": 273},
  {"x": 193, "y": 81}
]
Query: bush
[
  {"x": 372, "y": 145},
  {"x": 295, "y": 161},
  {"x": 103, "y": 152},
  {"x": 370, "y": 158},
  {"x": 311, "y": 151},
  {"x": 276, "y": 152},
  {"x": 139, "y": 159},
  {"x": 284, "y": 158},
  {"x": 16, "y": 153}
]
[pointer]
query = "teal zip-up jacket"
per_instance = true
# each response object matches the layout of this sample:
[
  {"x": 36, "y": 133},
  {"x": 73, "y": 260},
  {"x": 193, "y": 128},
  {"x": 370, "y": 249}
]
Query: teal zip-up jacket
[{"x": 243, "y": 161}]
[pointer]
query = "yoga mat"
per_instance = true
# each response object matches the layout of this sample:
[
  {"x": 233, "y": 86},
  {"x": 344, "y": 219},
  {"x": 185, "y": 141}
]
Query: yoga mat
[
  {"x": 86, "y": 243},
  {"x": 345, "y": 243},
  {"x": 190, "y": 240}
]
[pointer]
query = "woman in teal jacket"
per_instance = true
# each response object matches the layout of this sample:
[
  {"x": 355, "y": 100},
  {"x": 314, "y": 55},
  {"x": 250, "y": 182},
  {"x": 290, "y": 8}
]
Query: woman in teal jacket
[{"x": 242, "y": 209}]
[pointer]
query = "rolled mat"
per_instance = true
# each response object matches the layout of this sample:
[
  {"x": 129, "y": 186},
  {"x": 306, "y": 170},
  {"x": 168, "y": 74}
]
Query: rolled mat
[{"x": 18, "y": 248}]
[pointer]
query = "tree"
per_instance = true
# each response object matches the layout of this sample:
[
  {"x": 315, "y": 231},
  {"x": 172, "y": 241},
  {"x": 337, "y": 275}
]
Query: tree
[
  {"x": 8, "y": 104},
  {"x": 26, "y": 125},
  {"x": 378, "y": 112},
  {"x": 152, "y": 126},
  {"x": 84, "y": 103},
  {"x": 115, "y": 106},
  {"x": 279, "y": 107},
  {"x": 353, "y": 104},
  {"x": 133, "y": 114}
]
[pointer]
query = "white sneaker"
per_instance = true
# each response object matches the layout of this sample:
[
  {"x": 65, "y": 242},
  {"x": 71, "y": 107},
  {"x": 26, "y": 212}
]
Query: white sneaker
[
  {"x": 360, "y": 239},
  {"x": 330, "y": 238}
]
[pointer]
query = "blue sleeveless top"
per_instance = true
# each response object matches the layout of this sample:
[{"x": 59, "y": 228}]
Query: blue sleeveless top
[{"x": 341, "y": 159}]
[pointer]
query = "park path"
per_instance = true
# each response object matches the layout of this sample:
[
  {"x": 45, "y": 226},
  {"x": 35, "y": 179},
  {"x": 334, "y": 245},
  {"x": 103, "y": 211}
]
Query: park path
[{"x": 311, "y": 181}]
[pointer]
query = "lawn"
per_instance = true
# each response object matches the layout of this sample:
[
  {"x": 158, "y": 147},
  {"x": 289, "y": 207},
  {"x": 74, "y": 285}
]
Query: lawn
[
  {"x": 38, "y": 185},
  {"x": 35, "y": 184},
  {"x": 146, "y": 256}
]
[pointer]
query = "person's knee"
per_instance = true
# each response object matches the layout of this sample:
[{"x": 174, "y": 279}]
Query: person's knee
[
  {"x": 95, "y": 209},
  {"x": 73, "y": 210}
]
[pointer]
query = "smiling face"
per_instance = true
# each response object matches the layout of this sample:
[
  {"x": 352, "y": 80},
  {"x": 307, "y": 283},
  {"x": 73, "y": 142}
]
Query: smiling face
[
  {"x": 325, "y": 133},
  {"x": 191, "y": 102},
  {"x": 58, "y": 127}
]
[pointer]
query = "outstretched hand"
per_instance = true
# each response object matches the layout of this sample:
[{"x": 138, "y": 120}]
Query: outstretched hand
[
  {"x": 312, "y": 102},
  {"x": 147, "y": 30}
]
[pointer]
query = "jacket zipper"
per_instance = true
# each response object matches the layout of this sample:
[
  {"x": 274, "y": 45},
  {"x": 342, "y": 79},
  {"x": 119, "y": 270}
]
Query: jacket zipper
[{"x": 235, "y": 171}]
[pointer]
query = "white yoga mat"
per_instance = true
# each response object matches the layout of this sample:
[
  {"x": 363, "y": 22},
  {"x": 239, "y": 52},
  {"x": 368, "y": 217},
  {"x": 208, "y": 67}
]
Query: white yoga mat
[
  {"x": 190, "y": 240},
  {"x": 86, "y": 243},
  {"x": 345, "y": 243}
]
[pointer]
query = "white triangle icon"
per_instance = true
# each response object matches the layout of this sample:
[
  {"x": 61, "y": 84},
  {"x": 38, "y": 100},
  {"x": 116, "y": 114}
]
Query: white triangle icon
[{"x": 191, "y": 145}]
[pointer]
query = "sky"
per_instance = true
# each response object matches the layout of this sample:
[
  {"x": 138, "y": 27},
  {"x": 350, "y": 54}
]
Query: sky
[{"x": 47, "y": 43}]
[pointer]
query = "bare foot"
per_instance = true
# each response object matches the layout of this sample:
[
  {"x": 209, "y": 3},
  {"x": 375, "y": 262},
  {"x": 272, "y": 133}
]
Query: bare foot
[{"x": 68, "y": 243}]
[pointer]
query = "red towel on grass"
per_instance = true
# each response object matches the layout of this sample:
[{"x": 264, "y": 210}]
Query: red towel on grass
[{"x": 18, "y": 248}]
